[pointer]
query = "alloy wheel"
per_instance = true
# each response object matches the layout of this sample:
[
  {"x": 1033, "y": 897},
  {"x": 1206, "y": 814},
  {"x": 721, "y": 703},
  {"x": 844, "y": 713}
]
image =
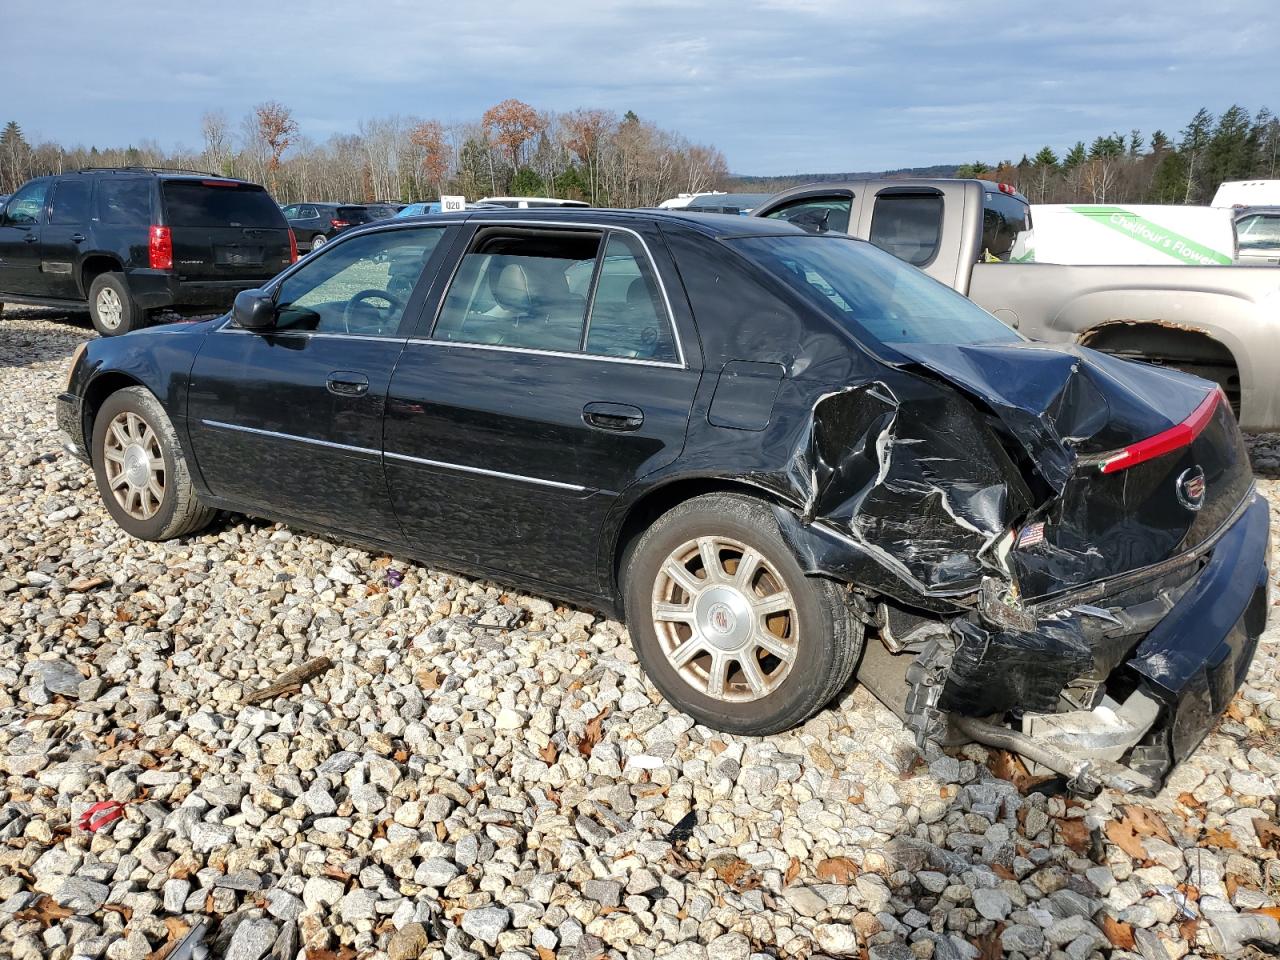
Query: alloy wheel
[
  {"x": 134, "y": 465},
  {"x": 725, "y": 619},
  {"x": 110, "y": 309}
]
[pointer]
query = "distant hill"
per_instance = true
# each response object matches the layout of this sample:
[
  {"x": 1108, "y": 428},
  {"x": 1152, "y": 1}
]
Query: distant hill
[{"x": 745, "y": 183}]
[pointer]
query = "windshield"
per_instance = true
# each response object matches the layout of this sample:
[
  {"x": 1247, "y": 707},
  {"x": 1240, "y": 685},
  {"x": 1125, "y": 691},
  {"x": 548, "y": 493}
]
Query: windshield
[
  {"x": 872, "y": 293},
  {"x": 195, "y": 203},
  {"x": 1259, "y": 232}
]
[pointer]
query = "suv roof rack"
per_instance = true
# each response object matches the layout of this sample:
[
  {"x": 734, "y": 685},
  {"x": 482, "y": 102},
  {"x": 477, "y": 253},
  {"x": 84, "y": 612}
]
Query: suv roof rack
[{"x": 143, "y": 169}]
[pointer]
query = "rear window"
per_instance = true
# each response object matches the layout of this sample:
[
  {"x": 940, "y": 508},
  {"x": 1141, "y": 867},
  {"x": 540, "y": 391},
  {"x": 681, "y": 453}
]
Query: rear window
[
  {"x": 871, "y": 293},
  {"x": 908, "y": 225},
  {"x": 194, "y": 203},
  {"x": 1006, "y": 229},
  {"x": 353, "y": 214}
]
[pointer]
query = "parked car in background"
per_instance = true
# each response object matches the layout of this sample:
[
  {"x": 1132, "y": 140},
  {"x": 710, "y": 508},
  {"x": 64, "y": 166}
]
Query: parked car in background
[
  {"x": 1247, "y": 193},
  {"x": 382, "y": 211},
  {"x": 682, "y": 200},
  {"x": 315, "y": 224},
  {"x": 739, "y": 203},
  {"x": 754, "y": 444},
  {"x": 124, "y": 242},
  {"x": 1258, "y": 235},
  {"x": 529, "y": 203},
  {"x": 419, "y": 209},
  {"x": 1217, "y": 323}
]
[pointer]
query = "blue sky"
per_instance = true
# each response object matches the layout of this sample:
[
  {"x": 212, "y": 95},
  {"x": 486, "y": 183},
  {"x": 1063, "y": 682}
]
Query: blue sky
[{"x": 780, "y": 86}]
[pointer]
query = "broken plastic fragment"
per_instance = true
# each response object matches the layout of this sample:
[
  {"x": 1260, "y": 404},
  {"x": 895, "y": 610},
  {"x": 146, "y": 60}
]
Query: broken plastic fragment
[{"x": 100, "y": 815}]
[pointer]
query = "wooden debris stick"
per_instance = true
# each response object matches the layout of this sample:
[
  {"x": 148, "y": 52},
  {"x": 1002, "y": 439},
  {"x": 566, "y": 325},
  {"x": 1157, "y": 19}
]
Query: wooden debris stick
[{"x": 292, "y": 681}]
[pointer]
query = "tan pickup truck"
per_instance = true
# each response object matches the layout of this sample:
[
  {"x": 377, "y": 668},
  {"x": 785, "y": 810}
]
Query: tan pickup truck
[{"x": 1219, "y": 322}]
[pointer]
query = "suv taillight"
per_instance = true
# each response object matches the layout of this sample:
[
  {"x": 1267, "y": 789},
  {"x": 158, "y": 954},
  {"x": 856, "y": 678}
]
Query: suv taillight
[
  {"x": 339, "y": 224},
  {"x": 161, "y": 248},
  {"x": 293, "y": 247}
]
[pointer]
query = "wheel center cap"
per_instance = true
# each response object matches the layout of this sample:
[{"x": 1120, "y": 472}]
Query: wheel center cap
[
  {"x": 724, "y": 617},
  {"x": 137, "y": 468}
]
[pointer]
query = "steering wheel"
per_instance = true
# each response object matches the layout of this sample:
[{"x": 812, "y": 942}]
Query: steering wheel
[{"x": 363, "y": 298}]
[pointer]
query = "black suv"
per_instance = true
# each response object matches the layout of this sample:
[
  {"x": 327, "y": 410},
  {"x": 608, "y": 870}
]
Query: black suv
[
  {"x": 133, "y": 240},
  {"x": 315, "y": 224}
]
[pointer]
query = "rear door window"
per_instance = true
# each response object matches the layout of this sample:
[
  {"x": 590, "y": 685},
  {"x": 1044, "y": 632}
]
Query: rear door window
[
  {"x": 908, "y": 226},
  {"x": 628, "y": 315},
  {"x": 125, "y": 202},
  {"x": 211, "y": 203},
  {"x": 71, "y": 202},
  {"x": 291, "y": 212},
  {"x": 521, "y": 288},
  {"x": 816, "y": 214}
]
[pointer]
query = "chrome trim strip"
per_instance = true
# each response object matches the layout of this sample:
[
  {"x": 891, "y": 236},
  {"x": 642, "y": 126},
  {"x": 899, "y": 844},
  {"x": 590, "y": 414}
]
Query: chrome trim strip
[
  {"x": 546, "y": 353},
  {"x": 221, "y": 425},
  {"x": 486, "y": 473},
  {"x": 229, "y": 327}
]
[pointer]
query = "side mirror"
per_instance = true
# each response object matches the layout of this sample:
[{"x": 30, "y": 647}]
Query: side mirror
[{"x": 254, "y": 310}]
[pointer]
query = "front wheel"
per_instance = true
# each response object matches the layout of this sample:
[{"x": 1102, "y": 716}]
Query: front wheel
[
  {"x": 111, "y": 308},
  {"x": 726, "y": 623},
  {"x": 141, "y": 471}
]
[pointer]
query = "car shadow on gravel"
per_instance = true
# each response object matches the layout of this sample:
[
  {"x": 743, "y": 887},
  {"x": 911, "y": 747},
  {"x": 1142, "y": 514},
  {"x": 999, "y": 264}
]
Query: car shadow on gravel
[{"x": 22, "y": 344}]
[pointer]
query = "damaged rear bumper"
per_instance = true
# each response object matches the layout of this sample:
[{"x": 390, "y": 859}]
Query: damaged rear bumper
[{"x": 1137, "y": 677}]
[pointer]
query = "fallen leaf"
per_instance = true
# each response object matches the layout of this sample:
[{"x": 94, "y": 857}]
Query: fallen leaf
[
  {"x": 1218, "y": 837},
  {"x": 793, "y": 871},
  {"x": 1268, "y": 832},
  {"x": 1272, "y": 912},
  {"x": 1187, "y": 800},
  {"x": 126, "y": 912},
  {"x": 1119, "y": 933},
  {"x": 429, "y": 679},
  {"x": 1137, "y": 822},
  {"x": 837, "y": 870},
  {"x": 343, "y": 953},
  {"x": 1075, "y": 834},
  {"x": 45, "y": 910},
  {"x": 545, "y": 954},
  {"x": 717, "y": 747},
  {"x": 549, "y": 753},
  {"x": 1188, "y": 929},
  {"x": 991, "y": 945},
  {"x": 1003, "y": 872},
  {"x": 735, "y": 871},
  {"x": 1009, "y": 766},
  {"x": 123, "y": 615},
  {"x": 87, "y": 583},
  {"x": 593, "y": 733}
]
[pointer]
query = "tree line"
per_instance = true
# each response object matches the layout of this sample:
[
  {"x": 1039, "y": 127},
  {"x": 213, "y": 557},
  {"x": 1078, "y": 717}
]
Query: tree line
[
  {"x": 586, "y": 154},
  {"x": 1120, "y": 168}
]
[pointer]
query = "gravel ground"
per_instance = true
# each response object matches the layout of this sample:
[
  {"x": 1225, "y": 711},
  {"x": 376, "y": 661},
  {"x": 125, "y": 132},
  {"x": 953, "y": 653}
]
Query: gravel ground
[{"x": 486, "y": 774}]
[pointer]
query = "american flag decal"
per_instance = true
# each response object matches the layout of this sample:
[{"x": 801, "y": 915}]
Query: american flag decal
[{"x": 1031, "y": 534}]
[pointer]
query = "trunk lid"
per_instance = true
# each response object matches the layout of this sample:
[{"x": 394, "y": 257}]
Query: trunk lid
[
  {"x": 1066, "y": 412},
  {"x": 224, "y": 230}
]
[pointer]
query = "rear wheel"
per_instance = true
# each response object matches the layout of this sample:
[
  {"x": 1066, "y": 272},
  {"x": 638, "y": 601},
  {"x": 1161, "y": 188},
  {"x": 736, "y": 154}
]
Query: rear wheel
[
  {"x": 111, "y": 308},
  {"x": 318, "y": 241},
  {"x": 727, "y": 624},
  {"x": 140, "y": 469}
]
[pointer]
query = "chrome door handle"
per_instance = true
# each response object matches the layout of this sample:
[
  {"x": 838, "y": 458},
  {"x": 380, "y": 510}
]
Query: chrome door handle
[{"x": 343, "y": 383}]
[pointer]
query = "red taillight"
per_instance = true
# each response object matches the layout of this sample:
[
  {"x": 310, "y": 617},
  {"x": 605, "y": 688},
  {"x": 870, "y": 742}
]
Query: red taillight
[
  {"x": 161, "y": 248},
  {"x": 293, "y": 247},
  {"x": 339, "y": 224},
  {"x": 1005, "y": 188},
  {"x": 1166, "y": 441}
]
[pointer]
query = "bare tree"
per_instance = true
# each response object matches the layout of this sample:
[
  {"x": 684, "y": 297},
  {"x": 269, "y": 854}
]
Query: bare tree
[{"x": 216, "y": 130}]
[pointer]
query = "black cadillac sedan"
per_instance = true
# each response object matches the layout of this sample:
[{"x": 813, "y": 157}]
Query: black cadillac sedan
[{"x": 779, "y": 456}]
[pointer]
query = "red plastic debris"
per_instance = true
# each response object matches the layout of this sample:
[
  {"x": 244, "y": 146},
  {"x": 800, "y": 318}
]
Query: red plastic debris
[{"x": 101, "y": 814}]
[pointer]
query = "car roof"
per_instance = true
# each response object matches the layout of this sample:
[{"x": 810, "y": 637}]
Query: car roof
[
  {"x": 717, "y": 225},
  {"x": 161, "y": 172},
  {"x": 1253, "y": 211}
]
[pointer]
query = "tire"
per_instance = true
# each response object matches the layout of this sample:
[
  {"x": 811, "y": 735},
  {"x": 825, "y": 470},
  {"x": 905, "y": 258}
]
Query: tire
[
  {"x": 318, "y": 241},
  {"x": 815, "y": 641},
  {"x": 175, "y": 511},
  {"x": 111, "y": 308}
]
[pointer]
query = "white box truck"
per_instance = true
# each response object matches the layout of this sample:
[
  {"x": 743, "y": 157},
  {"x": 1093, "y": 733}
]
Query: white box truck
[
  {"x": 1092, "y": 233},
  {"x": 1248, "y": 193}
]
